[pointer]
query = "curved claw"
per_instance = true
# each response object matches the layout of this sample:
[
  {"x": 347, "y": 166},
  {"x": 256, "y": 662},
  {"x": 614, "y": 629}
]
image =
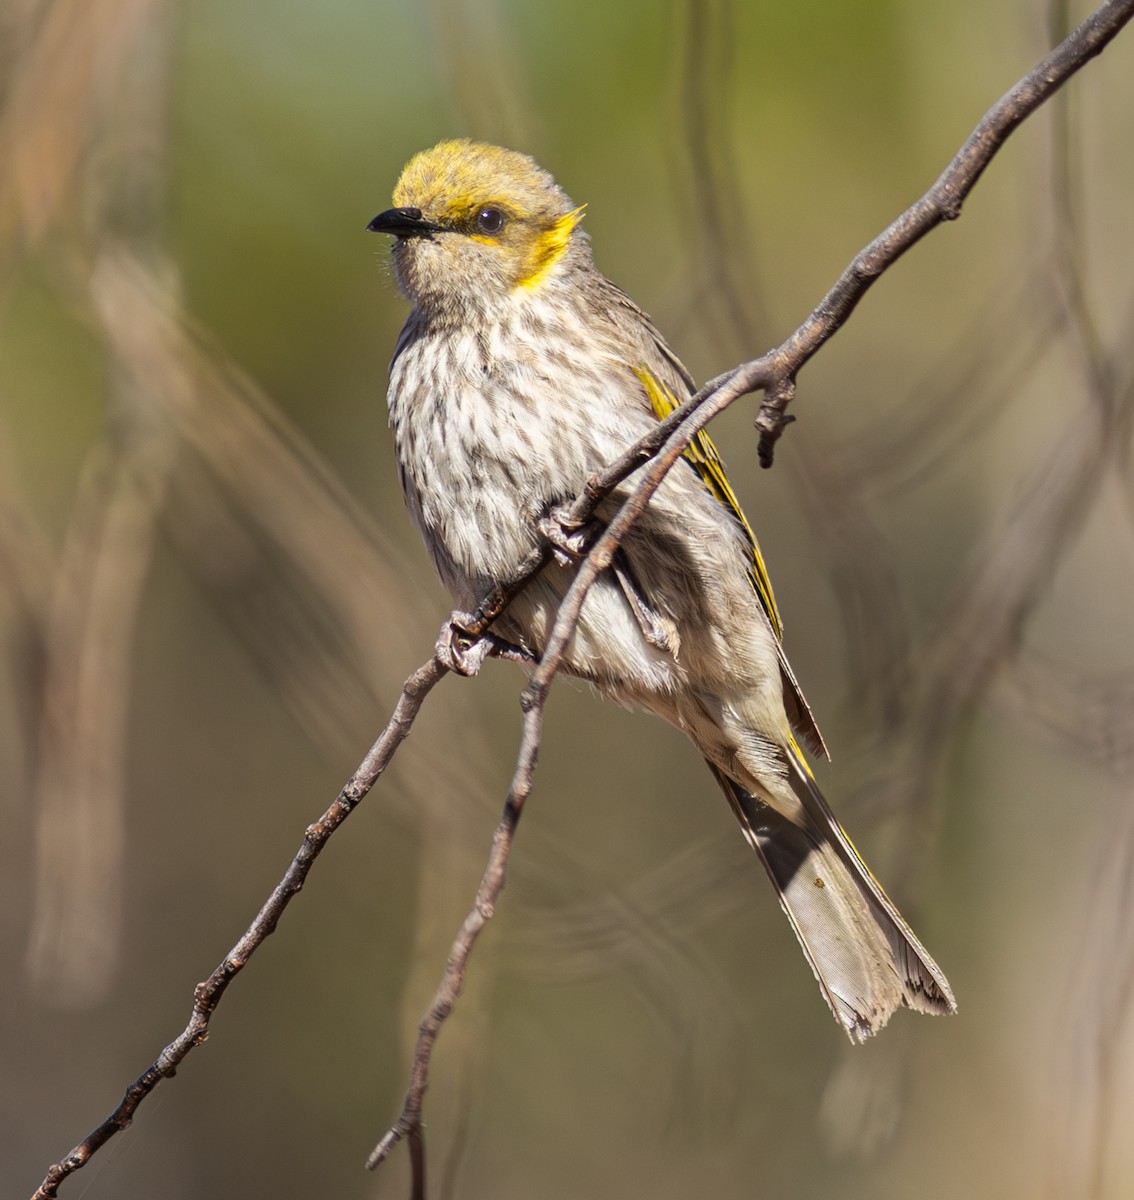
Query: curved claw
[{"x": 458, "y": 650}]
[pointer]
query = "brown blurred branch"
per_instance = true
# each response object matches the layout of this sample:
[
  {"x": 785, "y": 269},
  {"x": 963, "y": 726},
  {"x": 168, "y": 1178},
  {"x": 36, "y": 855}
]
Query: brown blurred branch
[
  {"x": 1083, "y": 712},
  {"x": 483, "y": 70},
  {"x": 728, "y": 271},
  {"x": 78, "y": 122},
  {"x": 73, "y": 942},
  {"x": 984, "y": 619},
  {"x": 55, "y": 100}
]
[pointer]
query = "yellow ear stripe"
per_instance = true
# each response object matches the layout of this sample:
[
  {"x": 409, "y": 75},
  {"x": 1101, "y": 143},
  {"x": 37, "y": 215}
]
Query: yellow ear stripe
[
  {"x": 707, "y": 460},
  {"x": 549, "y": 248}
]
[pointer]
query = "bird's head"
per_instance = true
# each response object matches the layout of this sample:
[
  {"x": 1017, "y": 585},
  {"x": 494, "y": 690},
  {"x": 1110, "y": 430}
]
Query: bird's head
[{"x": 475, "y": 224}]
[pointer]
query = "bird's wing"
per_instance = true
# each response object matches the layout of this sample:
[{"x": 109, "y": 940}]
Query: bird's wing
[
  {"x": 707, "y": 462},
  {"x": 663, "y": 377},
  {"x": 705, "y": 459}
]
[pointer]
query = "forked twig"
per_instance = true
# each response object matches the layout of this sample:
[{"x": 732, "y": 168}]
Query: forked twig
[{"x": 773, "y": 373}]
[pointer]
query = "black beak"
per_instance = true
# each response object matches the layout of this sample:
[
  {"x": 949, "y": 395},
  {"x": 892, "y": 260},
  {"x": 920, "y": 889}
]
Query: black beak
[{"x": 403, "y": 223}]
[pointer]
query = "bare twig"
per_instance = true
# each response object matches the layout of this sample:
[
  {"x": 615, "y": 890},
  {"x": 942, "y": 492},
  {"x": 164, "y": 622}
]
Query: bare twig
[
  {"x": 533, "y": 702},
  {"x": 774, "y": 373},
  {"x": 207, "y": 995},
  {"x": 941, "y": 203}
]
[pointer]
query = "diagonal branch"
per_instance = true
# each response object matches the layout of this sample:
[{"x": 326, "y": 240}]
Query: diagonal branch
[
  {"x": 533, "y": 702},
  {"x": 773, "y": 373},
  {"x": 941, "y": 203},
  {"x": 207, "y": 995}
]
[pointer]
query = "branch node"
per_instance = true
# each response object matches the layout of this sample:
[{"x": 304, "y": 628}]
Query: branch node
[{"x": 772, "y": 420}]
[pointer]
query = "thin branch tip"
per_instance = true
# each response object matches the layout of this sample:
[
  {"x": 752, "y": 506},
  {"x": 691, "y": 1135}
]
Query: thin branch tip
[{"x": 382, "y": 1151}]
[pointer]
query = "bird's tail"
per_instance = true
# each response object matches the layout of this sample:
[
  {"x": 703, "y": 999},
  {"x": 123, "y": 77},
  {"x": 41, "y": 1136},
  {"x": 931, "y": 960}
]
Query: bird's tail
[{"x": 866, "y": 958}]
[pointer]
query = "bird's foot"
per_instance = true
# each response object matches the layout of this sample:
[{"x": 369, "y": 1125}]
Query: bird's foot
[
  {"x": 463, "y": 652},
  {"x": 458, "y": 649},
  {"x": 569, "y": 539}
]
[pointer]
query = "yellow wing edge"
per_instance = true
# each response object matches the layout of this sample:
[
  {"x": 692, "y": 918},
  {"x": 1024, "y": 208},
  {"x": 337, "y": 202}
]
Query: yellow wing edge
[{"x": 705, "y": 457}]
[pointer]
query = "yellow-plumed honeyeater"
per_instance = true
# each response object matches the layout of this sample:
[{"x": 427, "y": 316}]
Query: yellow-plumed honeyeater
[{"x": 520, "y": 372}]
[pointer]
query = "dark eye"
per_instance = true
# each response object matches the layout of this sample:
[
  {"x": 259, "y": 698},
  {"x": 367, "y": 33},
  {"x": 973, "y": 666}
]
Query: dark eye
[{"x": 490, "y": 221}]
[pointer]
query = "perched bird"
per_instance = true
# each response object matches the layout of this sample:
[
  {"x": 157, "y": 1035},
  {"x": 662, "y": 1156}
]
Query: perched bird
[{"x": 522, "y": 370}]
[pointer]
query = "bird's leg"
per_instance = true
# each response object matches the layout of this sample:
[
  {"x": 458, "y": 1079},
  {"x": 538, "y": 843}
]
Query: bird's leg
[
  {"x": 464, "y": 652},
  {"x": 499, "y": 647},
  {"x": 659, "y": 630},
  {"x": 568, "y": 538}
]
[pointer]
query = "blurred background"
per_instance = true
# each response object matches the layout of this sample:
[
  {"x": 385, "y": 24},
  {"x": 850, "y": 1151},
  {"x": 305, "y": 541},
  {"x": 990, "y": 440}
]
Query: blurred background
[{"x": 210, "y": 594}]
